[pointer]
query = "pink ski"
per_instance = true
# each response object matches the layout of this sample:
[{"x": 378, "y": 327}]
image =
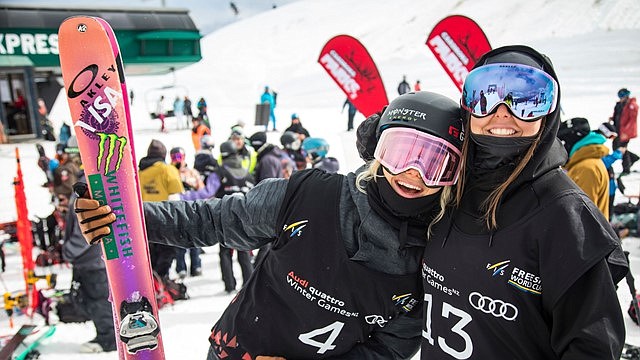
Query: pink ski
[{"x": 95, "y": 86}]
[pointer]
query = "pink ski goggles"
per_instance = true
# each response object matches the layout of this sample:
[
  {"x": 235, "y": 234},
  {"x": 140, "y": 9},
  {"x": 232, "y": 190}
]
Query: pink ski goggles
[
  {"x": 400, "y": 149},
  {"x": 177, "y": 157}
]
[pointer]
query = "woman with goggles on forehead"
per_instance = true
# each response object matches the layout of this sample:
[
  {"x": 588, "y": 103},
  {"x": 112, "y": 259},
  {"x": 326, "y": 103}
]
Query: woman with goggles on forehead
[
  {"x": 342, "y": 278},
  {"x": 525, "y": 266}
]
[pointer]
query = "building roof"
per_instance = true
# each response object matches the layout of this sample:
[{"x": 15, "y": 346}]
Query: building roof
[{"x": 44, "y": 17}]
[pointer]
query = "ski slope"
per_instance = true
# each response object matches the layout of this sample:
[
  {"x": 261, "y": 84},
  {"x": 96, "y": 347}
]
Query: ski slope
[{"x": 593, "y": 44}]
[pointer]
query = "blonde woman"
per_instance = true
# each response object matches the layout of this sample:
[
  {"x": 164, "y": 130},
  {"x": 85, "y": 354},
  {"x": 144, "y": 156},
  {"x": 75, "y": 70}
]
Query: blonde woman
[{"x": 342, "y": 277}]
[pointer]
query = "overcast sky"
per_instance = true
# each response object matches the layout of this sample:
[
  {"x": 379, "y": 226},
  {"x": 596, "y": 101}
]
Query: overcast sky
[{"x": 207, "y": 14}]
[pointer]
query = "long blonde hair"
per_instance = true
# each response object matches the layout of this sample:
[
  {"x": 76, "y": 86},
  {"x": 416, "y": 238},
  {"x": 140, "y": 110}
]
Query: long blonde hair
[
  {"x": 371, "y": 174},
  {"x": 491, "y": 203}
]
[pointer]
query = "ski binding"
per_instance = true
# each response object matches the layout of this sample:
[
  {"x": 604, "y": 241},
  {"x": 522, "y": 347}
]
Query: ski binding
[{"x": 138, "y": 328}]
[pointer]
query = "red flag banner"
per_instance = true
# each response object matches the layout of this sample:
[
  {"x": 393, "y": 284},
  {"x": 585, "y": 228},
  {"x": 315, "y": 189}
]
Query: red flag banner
[
  {"x": 351, "y": 67},
  {"x": 458, "y": 42},
  {"x": 23, "y": 232}
]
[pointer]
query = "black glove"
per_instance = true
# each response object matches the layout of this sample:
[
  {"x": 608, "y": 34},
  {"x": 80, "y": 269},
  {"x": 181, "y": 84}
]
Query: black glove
[
  {"x": 94, "y": 219},
  {"x": 366, "y": 136}
]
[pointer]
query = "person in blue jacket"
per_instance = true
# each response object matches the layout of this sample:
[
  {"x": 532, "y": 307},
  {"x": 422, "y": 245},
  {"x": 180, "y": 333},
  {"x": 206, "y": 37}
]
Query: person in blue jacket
[
  {"x": 268, "y": 97},
  {"x": 609, "y": 132}
]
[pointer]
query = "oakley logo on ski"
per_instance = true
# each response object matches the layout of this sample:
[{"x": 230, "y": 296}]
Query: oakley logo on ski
[
  {"x": 375, "y": 319},
  {"x": 498, "y": 268},
  {"x": 497, "y": 308},
  {"x": 98, "y": 100},
  {"x": 341, "y": 72},
  {"x": 296, "y": 227},
  {"x": 107, "y": 146}
]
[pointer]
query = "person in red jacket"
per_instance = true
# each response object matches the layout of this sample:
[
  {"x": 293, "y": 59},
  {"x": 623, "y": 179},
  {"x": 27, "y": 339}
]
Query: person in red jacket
[{"x": 625, "y": 120}]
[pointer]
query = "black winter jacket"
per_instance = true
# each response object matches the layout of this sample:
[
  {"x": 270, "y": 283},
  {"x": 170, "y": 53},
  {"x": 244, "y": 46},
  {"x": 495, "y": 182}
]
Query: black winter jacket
[{"x": 248, "y": 222}]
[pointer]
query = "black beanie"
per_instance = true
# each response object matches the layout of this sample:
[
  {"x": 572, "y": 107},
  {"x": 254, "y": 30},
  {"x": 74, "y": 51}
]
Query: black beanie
[
  {"x": 157, "y": 149},
  {"x": 258, "y": 139}
]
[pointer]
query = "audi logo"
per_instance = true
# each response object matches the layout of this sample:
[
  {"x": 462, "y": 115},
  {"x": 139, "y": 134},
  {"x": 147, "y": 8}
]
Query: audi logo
[{"x": 497, "y": 308}]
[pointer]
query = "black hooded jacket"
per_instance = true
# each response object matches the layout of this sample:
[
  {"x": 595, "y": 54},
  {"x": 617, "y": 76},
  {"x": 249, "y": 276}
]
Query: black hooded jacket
[{"x": 540, "y": 285}]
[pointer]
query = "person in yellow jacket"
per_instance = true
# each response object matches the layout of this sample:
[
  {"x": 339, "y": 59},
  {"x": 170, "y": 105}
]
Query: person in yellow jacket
[
  {"x": 159, "y": 181},
  {"x": 586, "y": 168},
  {"x": 248, "y": 156}
]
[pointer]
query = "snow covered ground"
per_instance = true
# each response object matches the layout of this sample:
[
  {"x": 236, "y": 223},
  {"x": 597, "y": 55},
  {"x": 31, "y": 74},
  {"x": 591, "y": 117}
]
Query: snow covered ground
[{"x": 594, "y": 46}]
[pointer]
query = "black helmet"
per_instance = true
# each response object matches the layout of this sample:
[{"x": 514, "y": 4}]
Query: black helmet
[
  {"x": 573, "y": 130},
  {"x": 205, "y": 163},
  {"x": 258, "y": 139},
  {"x": 624, "y": 92},
  {"x": 227, "y": 149},
  {"x": 425, "y": 111},
  {"x": 290, "y": 140}
]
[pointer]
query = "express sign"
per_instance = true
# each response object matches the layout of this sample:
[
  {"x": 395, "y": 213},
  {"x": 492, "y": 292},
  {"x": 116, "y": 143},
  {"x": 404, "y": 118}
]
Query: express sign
[{"x": 28, "y": 44}]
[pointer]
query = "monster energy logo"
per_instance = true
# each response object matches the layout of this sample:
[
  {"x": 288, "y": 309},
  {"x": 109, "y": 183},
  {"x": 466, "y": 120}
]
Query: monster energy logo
[{"x": 112, "y": 140}]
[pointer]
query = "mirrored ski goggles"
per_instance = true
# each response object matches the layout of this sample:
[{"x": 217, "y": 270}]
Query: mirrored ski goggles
[
  {"x": 400, "y": 149},
  {"x": 528, "y": 92}
]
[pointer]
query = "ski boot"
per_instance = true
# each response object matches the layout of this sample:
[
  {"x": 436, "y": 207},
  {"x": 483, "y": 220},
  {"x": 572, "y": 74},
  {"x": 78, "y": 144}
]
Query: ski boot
[{"x": 138, "y": 328}]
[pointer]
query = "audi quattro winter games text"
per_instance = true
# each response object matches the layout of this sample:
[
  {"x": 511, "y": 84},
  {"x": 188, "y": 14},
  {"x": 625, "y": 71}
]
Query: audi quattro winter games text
[
  {"x": 98, "y": 121},
  {"x": 321, "y": 298},
  {"x": 436, "y": 280}
]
